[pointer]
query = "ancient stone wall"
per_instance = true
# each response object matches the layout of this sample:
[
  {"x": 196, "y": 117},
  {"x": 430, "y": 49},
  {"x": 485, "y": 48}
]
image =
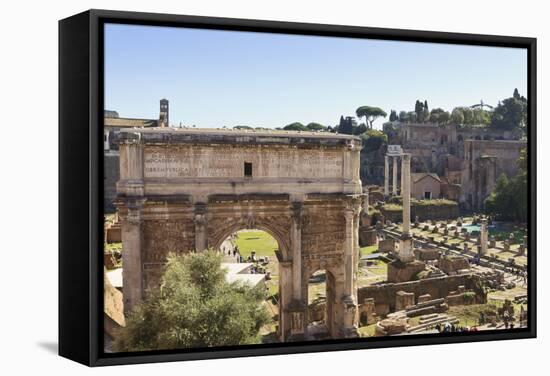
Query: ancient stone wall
[
  {"x": 424, "y": 212},
  {"x": 484, "y": 162},
  {"x": 384, "y": 295}
]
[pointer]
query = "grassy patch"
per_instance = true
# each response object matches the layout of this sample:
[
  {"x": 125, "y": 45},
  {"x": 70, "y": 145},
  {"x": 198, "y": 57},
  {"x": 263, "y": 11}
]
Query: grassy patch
[
  {"x": 109, "y": 247},
  {"x": 256, "y": 240},
  {"x": 379, "y": 268},
  {"x": 392, "y": 207},
  {"x": 468, "y": 315},
  {"x": 367, "y": 330}
]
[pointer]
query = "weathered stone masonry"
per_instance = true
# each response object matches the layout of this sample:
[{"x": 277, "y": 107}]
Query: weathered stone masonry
[{"x": 184, "y": 190}]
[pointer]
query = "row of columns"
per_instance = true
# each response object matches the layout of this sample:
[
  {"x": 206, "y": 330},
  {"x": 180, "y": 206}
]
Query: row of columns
[
  {"x": 406, "y": 253},
  {"x": 394, "y": 183}
]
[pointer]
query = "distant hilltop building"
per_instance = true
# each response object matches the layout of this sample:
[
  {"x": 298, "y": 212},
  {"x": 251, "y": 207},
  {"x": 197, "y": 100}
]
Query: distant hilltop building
[
  {"x": 449, "y": 161},
  {"x": 113, "y": 123}
]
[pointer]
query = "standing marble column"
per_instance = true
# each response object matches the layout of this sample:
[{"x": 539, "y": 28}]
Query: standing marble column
[
  {"x": 296, "y": 244},
  {"x": 349, "y": 300},
  {"x": 285, "y": 298},
  {"x": 406, "y": 253},
  {"x": 394, "y": 177},
  {"x": 483, "y": 237},
  {"x": 297, "y": 308},
  {"x": 348, "y": 252},
  {"x": 406, "y": 193},
  {"x": 132, "y": 239},
  {"x": 386, "y": 176}
]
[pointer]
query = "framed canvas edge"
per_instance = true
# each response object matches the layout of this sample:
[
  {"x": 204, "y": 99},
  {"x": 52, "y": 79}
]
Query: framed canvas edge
[{"x": 98, "y": 17}]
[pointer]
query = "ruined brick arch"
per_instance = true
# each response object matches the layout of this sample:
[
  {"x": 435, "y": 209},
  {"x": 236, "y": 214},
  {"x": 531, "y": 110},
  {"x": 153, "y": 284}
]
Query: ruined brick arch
[{"x": 282, "y": 238}]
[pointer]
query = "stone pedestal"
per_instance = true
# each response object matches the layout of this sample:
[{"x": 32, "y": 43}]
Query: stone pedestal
[
  {"x": 350, "y": 317},
  {"x": 298, "y": 323},
  {"x": 403, "y": 300},
  {"x": 406, "y": 253}
]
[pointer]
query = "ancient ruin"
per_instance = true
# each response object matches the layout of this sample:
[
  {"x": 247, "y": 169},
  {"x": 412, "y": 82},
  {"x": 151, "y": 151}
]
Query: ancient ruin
[{"x": 184, "y": 190}]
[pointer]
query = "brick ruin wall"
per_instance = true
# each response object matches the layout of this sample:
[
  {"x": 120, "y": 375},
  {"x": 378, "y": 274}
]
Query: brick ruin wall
[{"x": 384, "y": 295}]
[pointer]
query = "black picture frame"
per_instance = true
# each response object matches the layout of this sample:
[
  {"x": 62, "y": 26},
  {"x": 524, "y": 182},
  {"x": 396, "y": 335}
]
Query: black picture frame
[{"x": 81, "y": 189}]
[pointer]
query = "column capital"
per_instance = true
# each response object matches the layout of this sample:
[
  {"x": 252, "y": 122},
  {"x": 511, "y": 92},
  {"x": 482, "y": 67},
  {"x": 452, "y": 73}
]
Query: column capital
[{"x": 349, "y": 213}]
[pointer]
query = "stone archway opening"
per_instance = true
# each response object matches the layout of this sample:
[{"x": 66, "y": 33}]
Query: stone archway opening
[
  {"x": 320, "y": 293},
  {"x": 256, "y": 250}
]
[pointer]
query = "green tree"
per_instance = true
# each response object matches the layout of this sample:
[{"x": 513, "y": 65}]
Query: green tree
[
  {"x": 393, "y": 115},
  {"x": 316, "y": 127},
  {"x": 425, "y": 115},
  {"x": 370, "y": 114},
  {"x": 295, "y": 127},
  {"x": 439, "y": 116},
  {"x": 360, "y": 129},
  {"x": 403, "y": 116},
  {"x": 444, "y": 117},
  {"x": 373, "y": 139},
  {"x": 194, "y": 307},
  {"x": 509, "y": 199},
  {"x": 510, "y": 113},
  {"x": 468, "y": 115},
  {"x": 457, "y": 117},
  {"x": 419, "y": 110},
  {"x": 242, "y": 127},
  {"x": 481, "y": 116}
]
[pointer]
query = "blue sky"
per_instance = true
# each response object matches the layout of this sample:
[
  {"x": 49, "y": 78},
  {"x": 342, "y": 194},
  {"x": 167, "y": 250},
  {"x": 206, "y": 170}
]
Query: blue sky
[{"x": 221, "y": 78}]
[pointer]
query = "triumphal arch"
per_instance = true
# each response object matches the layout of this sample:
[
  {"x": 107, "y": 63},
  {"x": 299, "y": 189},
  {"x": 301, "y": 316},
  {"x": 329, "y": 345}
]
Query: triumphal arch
[{"x": 188, "y": 189}]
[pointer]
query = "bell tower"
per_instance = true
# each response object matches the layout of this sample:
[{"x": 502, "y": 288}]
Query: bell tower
[{"x": 163, "y": 117}]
